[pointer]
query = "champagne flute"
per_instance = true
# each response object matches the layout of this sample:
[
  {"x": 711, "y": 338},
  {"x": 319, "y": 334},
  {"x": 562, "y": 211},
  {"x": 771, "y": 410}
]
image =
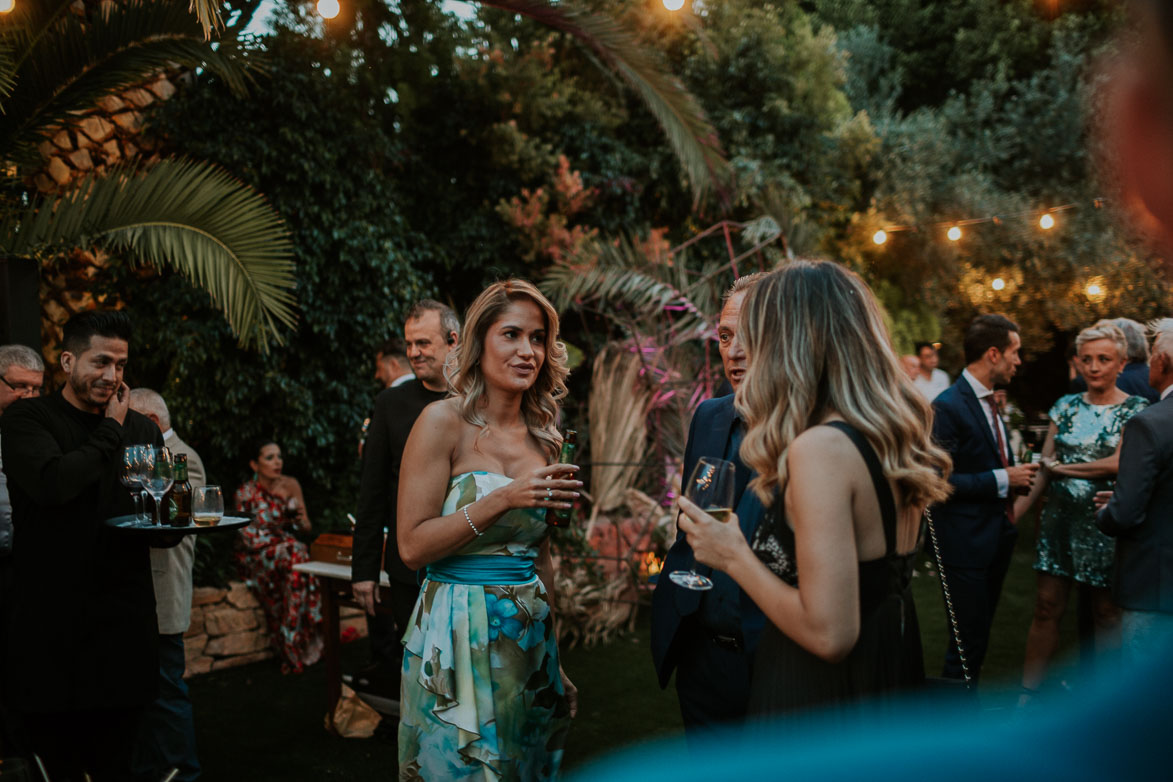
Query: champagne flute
[
  {"x": 207, "y": 506},
  {"x": 159, "y": 479},
  {"x": 712, "y": 488},
  {"x": 130, "y": 475}
]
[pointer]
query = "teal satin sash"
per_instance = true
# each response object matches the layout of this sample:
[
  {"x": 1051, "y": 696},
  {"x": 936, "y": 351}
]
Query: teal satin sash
[{"x": 482, "y": 570}]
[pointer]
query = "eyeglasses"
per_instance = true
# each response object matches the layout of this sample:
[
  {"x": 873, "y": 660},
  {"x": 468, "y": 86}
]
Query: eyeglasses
[{"x": 22, "y": 388}]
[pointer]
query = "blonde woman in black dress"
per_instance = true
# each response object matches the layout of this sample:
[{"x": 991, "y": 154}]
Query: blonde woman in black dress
[{"x": 837, "y": 428}]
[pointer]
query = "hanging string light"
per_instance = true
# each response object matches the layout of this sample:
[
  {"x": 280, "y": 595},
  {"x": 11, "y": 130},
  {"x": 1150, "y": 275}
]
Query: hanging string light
[
  {"x": 6, "y": 6},
  {"x": 328, "y": 9},
  {"x": 1046, "y": 220},
  {"x": 674, "y": 5},
  {"x": 998, "y": 284}
]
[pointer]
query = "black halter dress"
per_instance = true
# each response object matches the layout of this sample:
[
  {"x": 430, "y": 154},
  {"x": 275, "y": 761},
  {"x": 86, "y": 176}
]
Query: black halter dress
[{"x": 886, "y": 659}]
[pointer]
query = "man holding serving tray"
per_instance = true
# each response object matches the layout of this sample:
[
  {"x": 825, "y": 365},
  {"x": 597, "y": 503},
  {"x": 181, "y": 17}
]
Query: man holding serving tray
[{"x": 82, "y": 662}]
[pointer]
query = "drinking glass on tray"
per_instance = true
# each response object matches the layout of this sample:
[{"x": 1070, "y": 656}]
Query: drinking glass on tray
[
  {"x": 207, "y": 506},
  {"x": 158, "y": 479}
]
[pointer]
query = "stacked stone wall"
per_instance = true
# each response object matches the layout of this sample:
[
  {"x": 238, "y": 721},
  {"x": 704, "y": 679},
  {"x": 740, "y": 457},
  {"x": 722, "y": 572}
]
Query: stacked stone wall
[{"x": 228, "y": 629}]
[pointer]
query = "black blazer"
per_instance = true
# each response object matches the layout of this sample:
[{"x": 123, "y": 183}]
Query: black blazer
[
  {"x": 708, "y": 435},
  {"x": 970, "y": 524},
  {"x": 396, "y": 410},
  {"x": 1140, "y": 513}
]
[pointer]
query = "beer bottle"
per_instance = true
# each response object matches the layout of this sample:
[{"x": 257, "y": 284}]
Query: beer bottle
[
  {"x": 560, "y": 517},
  {"x": 179, "y": 498}
]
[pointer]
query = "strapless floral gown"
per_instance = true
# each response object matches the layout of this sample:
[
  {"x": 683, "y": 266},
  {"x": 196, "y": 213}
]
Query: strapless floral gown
[{"x": 481, "y": 696}]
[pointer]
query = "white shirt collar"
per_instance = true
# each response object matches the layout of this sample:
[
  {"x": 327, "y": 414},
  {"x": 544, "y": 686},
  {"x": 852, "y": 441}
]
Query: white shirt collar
[
  {"x": 978, "y": 389},
  {"x": 402, "y": 379},
  {"x": 168, "y": 432},
  {"x": 1168, "y": 390}
]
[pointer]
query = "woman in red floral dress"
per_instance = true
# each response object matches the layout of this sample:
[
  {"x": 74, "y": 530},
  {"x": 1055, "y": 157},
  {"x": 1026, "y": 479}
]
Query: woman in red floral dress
[{"x": 266, "y": 553}]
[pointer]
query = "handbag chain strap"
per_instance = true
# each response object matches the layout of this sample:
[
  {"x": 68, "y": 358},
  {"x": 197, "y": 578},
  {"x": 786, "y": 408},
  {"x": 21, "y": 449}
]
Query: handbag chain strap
[{"x": 949, "y": 602}]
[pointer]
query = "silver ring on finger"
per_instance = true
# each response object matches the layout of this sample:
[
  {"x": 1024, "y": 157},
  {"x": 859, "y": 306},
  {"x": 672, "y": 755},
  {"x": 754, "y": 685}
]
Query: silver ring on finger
[{"x": 549, "y": 493}]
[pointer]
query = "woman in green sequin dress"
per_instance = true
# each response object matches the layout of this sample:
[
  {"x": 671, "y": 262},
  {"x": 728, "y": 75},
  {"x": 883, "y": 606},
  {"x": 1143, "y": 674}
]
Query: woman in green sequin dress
[
  {"x": 1080, "y": 457},
  {"x": 483, "y": 695}
]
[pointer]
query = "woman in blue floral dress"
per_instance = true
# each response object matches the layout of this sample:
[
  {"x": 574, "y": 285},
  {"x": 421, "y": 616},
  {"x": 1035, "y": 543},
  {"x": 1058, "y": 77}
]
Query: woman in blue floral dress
[
  {"x": 483, "y": 694},
  {"x": 1080, "y": 457}
]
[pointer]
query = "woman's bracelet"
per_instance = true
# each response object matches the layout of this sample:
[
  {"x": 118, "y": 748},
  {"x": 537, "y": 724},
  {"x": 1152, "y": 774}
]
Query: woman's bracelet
[{"x": 469, "y": 520}]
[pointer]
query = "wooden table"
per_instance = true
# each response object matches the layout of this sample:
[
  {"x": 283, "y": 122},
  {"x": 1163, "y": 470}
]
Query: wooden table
[{"x": 335, "y": 583}]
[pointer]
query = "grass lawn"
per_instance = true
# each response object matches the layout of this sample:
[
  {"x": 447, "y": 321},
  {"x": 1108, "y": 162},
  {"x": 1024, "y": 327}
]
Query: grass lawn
[{"x": 254, "y": 724}]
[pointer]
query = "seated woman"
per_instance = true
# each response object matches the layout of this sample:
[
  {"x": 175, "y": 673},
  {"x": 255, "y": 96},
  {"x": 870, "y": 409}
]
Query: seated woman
[
  {"x": 1080, "y": 457},
  {"x": 837, "y": 428},
  {"x": 266, "y": 552},
  {"x": 483, "y": 695}
]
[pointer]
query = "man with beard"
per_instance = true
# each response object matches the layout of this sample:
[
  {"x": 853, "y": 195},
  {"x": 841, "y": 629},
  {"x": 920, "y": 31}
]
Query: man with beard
[
  {"x": 976, "y": 527},
  {"x": 710, "y": 637},
  {"x": 82, "y": 660},
  {"x": 431, "y": 332}
]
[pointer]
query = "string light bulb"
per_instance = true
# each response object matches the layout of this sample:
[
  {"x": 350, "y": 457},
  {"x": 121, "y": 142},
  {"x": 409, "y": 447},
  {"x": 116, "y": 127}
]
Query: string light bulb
[
  {"x": 879, "y": 237},
  {"x": 998, "y": 284},
  {"x": 1096, "y": 289},
  {"x": 6, "y": 6},
  {"x": 1047, "y": 222},
  {"x": 954, "y": 233},
  {"x": 674, "y": 5},
  {"x": 328, "y": 9}
]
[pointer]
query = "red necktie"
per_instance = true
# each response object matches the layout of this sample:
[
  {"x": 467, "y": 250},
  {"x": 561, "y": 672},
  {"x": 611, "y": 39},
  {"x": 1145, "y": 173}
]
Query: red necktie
[{"x": 1002, "y": 454}]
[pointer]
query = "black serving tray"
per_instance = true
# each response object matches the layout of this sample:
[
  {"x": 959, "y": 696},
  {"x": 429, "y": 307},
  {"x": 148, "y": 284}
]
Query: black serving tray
[{"x": 131, "y": 526}]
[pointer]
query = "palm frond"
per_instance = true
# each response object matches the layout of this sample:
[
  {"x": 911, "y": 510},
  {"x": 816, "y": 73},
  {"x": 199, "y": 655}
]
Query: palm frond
[
  {"x": 74, "y": 63},
  {"x": 190, "y": 216},
  {"x": 615, "y": 276},
  {"x": 692, "y": 136},
  {"x": 208, "y": 14}
]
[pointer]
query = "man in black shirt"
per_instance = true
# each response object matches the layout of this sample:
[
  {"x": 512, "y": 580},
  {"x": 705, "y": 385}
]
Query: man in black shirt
[
  {"x": 431, "y": 332},
  {"x": 82, "y": 660}
]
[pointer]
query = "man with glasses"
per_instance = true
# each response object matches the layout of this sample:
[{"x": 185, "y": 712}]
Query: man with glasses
[{"x": 22, "y": 373}]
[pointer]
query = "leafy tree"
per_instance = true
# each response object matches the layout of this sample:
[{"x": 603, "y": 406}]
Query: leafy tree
[
  {"x": 185, "y": 216},
  {"x": 311, "y": 145}
]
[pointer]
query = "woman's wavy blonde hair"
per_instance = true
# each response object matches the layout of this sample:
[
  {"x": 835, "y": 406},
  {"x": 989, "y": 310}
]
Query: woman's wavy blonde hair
[
  {"x": 539, "y": 405},
  {"x": 816, "y": 343}
]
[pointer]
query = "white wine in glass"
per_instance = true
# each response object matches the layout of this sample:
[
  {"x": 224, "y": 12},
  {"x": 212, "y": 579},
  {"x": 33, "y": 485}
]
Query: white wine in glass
[
  {"x": 207, "y": 506},
  {"x": 712, "y": 488}
]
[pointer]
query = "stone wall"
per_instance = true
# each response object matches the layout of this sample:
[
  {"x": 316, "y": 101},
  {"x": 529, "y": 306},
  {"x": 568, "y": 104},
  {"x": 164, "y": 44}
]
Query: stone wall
[{"x": 228, "y": 629}]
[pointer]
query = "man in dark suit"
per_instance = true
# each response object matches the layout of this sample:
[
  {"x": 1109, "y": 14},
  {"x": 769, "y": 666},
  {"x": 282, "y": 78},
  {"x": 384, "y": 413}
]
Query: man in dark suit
[
  {"x": 431, "y": 332},
  {"x": 976, "y": 526},
  {"x": 82, "y": 659},
  {"x": 1140, "y": 513},
  {"x": 709, "y": 637}
]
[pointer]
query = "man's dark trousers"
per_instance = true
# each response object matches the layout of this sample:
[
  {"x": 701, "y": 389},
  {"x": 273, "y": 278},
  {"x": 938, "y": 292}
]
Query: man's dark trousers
[{"x": 169, "y": 720}]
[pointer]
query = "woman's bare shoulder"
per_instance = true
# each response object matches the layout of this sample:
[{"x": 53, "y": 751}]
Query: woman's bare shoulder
[
  {"x": 444, "y": 413},
  {"x": 826, "y": 455}
]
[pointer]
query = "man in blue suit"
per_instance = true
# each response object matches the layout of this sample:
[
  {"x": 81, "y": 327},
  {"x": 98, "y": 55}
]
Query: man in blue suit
[
  {"x": 709, "y": 637},
  {"x": 976, "y": 526}
]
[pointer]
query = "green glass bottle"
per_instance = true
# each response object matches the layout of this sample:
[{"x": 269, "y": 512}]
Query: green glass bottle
[
  {"x": 179, "y": 498},
  {"x": 560, "y": 517}
]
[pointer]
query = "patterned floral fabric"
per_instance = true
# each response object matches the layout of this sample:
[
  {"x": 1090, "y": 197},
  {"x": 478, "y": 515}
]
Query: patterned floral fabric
[
  {"x": 482, "y": 697},
  {"x": 265, "y": 554},
  {"x": 1069, "y": 543}
]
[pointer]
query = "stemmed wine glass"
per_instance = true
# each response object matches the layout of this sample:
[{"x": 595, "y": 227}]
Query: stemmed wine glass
[
  {"x": 131, "y": 471},
  {"x": 158, "y": 479},
  {"x": 712, "y": 488}
]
